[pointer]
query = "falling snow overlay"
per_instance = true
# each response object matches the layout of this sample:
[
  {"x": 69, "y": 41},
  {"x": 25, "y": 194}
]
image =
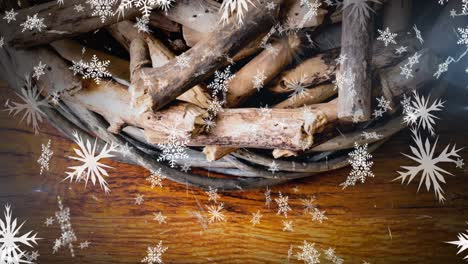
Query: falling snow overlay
[
  {"x": 44, "y": 159},
  {"x": 428, "y": 164},
  {"x": 12, "y": 245},
  {"x": 31, "y": 105},
  {"x": 90, "y": 167},
  {"x": 67, "y": 237}
]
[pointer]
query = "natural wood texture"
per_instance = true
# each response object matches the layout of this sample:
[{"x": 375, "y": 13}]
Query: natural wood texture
[
  {"x": 311, "y": 96},
  {"x": 205, "y": 57},
  {"x": 397, "y": 8},
  {"x": 359, "y": 226},
  {"x": 354, "y": 94}
]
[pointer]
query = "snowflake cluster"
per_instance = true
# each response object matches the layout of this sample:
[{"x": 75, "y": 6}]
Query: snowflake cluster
[
  {"x": 361, "y": 163},
  {"x": 371, "y": 135},
  {"x": 44, "y": 159},
  {"x": 382, "y": 107},
  {"x": 95, "y": 69},
  {"x": 90, "y": 167},
  {"x": 68, "y": 236},
  {"x": 218, "y": 87},
  {"x": 11, "y": 242},
  {"x": 32, "y": 23},
  {"x": 31, "y": 105},
  {"x": 407, "y": 69}
]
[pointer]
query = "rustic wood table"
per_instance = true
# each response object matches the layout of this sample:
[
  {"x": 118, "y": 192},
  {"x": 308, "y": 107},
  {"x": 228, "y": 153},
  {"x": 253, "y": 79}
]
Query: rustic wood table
[{"x": 380, "y": 221}]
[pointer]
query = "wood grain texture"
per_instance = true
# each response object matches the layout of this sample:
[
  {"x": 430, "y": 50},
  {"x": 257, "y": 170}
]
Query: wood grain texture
[{"x": 120, "y": 231}]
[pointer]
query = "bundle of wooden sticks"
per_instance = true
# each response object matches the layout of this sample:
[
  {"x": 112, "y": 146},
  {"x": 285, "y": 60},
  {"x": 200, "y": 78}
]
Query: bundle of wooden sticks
[{"x": 314, "y": 119}]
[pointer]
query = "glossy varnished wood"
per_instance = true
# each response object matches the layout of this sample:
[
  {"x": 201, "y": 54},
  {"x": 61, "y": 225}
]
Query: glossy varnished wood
[{"x": 380, "y": 221}]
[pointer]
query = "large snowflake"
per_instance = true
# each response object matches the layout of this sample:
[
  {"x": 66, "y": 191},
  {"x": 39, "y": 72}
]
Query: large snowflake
[
  {"x": 154, "y": 254},
  {"x": 417, "y": 111},
  {"x": 462, "y": 243},
  {"x": 230, "y": 7},
  {"x": 91, "y": 166},
  {"x": 361, "y": 163},
  {"x": 10, "y": 241},
  {"x": 30, "y": 95},
  {"x": 431, "y": 173},
  {"x": 309, "y": 254},
  {"x": 95, "y": 69}
]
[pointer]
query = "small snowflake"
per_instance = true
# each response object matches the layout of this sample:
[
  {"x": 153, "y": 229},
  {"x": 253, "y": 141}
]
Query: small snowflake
[
  {"x": 31, "y": 105},
  {"x": 215, "y": 213},
  {"x": 39, "y": 70},
  {"x": 54, "y": 98},
  {"x": 318, "y": 215},
  {"x": 32, "y": 256},
  {"x": 159, "y": 217},
  {"x": 273, "y": 167},
  {"x": 308, "y": 204},
  {"x": 182, "y": 61},
  {"x": 297, "y": 86},
  {"x": 432, "y": 174},
  {"x": 406, "y": 71},
  {"x": 78, "y": 8},
  {"x": 49, "y": 221},
  {"x": 331, "y": 256},
  {"x": 212, "y": 194},
  {"x": 400, "y": 50},
  {"x": 463, "y": 36},
  {"x": 414, "y": 59},
  {"x": 10, "y": 241},
  {"x": 125, "y": 150},
  {"x": 10, "y": 15},
  {"x": 461, "y": 243},
  {"x": 220, "y": 83},
  {"x": 44, "y": 159},
  {"x": 443, "y": 67},
  {"x": 142, "y": 24},
  {"x": 459, "y": 163},
  {"x": 288, "y": 225},
  {"x": 139, "y": 199},
  {"x": 258, "y": 80},
  {"x": 271, "y": 6},
  {"x": 154, "y": 254},
  {"x": 361, "y": 164},
  {"x": 386, "y": 36},
  {"x": 256, "y": 218},
  {"x": 185, "y": 167},
  {"x": 283, "y": 206},
  {"x": 272, "y": 50},
  {"x": 32, "y": 23},
  {"x": 91, "y": 166},
  {"x": 156, "y": 179},
  {"x": 418, "y": 34},
  {"x": 309, "y": 254},
  {"x": 84, "y": 245}
]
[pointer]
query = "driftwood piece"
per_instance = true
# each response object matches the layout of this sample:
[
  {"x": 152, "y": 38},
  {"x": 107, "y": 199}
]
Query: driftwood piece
[
  {"x": 354, "y": 93},
  {"x": 322, "y": 67},
  {"x": 64, "y": 23},
  {"x": 193, "y": 66},
  {"x": 161, "y": 21},
  {"x": 397, "y": 15},
  {"x": 314, "y": 95}
]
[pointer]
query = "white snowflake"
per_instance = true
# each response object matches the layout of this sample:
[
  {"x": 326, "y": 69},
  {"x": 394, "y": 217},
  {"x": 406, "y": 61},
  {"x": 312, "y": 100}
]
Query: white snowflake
[
  {"x": 31, "y": 105},
  {"x": 418, "y": 112},
  {"x": 288, "y": 225},
  {"x": 215, "y": 213},
  {"x": 31, "y": 256},
  {"x": 386, "y": 36},
  {"x": 91, "y": 166},
  {"x": 44, "y": 159},
  {"x": 49, "y": 221},
  {"x": 67, "y": 236},
  {"x": 309, "y": 204},
  {"x": 39, "y": 70},
  {"x": 341, "y": 59},
  {"x": 60, "y": 2},
  {"x": 258, "y": 80},
  {"x": 256, "y": 218},
  {"x": 182, "y": 61},
  {"x": 174, "y": 148},
  {"x": 54, "y": 98},
  {"x": 371, "y": 135},
  {"x": 413, "y": 60},
  {"x": 125, "y": 150},
  {"x": 102, "y": 8},
  {"x": 220, "y": 83},
  {"x": 212, "y": 194},
  {"x": 142, "y": 24},
  {"x": 400, "y": 50},
  {"x": 154, "y": 254},
  {"x": 318, "y": 215},
  {"x": 418, "y": 34},
  {"x": 406, "y": 71},
  {"x": 156, "y": 179},
  {"x": 463, "y": 36},
  {"x": 230, "y": 7},
  {"x": 382, "y": 107},
  {"x": 424, "y": 155},
  {"x": 283, "y": 206},
  {"x": 159, "y": 217},
  {"x": 78, "y": 8},
  {"x": 271, "y": 6},
  {"x": 145, "y": 6},
  {"x": 331, "y": 256},
  {"x": 10, "y": 241},
  {"x": 32, "y": 23},
  {"x": 214, "y": 107},
  {"x": 139, "y": 199},
  {"x": 84, "y": 245},
  {"x": 360, "y": 10},
  {"x": 459, "y": 163},
  {"x": 297, "y": 86},
  {"x": 309, "y": 254},
  {"x": 95, "y": 69},
  {"x": 461, "y": 243},
  {"x": 273, "y": 167},
  {"x": 361, "y": 163},
  {"x": 10, "y": 15},
  {"x": 272, "y": 50}
]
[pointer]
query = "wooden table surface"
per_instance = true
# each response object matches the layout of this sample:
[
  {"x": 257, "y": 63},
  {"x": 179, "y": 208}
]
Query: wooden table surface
[{"x": 380, "y": 221}]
